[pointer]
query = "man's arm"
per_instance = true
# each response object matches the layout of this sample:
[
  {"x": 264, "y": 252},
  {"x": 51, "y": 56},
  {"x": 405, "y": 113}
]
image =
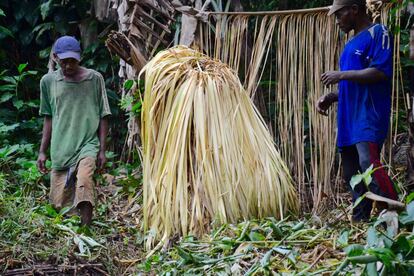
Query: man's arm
[
  {"x": 102, "y": 133},
  {"x": 325, "y": 102},
  {"x": 364, "y": 76},
  {"x": 46, "y": 135}
]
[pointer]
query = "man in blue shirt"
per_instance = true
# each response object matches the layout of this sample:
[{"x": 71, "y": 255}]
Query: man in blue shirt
[{"x": 364, "y": 99}]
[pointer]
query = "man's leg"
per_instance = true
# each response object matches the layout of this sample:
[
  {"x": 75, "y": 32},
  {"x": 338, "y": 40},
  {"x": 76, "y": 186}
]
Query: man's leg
[
  {"x": 350, "y": 167},
  {"x": 60, "y": 196},
  {"x": 84, "y": 197},
  {"x": 369, "y": 153}
]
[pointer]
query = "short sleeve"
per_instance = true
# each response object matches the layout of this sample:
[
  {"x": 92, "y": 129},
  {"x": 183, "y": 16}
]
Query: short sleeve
[
  {"x": 45, "y": 106},
  {"x": 381, "y": 54},
  {"x": 104, "y": 109}
]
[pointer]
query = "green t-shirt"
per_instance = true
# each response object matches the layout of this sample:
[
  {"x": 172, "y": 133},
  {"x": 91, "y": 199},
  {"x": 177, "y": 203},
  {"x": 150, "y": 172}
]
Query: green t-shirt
[{"x": 76, "y": 109}]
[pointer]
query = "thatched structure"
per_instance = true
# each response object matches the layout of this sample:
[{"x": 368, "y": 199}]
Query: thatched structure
[
  {"x": 207, "y": 154},
  {"x": 295, "y": 60},
  {"x": 272, "y": 43}
]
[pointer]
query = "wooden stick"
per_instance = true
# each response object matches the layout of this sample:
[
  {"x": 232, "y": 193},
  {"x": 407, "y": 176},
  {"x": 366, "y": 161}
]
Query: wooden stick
[
  {"x": 323, "y": 9},
  {"x": 55, "y": 269},
  {"x": 314, "y": 263},
  {"x": 283, "y": 12},
  {"x": 392, "y": 204}
]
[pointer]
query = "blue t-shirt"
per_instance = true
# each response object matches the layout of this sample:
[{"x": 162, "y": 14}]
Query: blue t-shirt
[{"x": 364, "y": 109}]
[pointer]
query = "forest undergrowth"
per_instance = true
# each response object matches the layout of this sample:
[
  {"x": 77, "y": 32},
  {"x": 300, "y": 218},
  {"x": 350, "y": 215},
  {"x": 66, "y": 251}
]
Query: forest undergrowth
[{"x": 35, "y": 238}]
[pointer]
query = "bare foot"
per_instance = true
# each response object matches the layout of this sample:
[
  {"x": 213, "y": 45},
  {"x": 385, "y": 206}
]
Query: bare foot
[{"x": 85, "y": 211}]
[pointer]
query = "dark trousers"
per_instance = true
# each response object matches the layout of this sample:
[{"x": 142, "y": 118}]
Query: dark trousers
[{"x": 356, "y": 159}]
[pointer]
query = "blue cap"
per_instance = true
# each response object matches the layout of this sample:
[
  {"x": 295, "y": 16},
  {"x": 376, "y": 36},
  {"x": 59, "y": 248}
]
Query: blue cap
[{"x": 67, "y": 47}]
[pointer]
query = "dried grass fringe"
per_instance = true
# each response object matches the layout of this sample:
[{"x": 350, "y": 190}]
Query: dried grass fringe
[{"x": 305, "y": 44}]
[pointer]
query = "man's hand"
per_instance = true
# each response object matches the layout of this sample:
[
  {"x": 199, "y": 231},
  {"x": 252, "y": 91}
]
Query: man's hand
[
  {"x": 46, "y": 134},
  {"x": 325, "y": 102},
  {"x": 41, "y": 163},
  {"x": 101, "y": 160},
  {"x": 331, "y": 77}
]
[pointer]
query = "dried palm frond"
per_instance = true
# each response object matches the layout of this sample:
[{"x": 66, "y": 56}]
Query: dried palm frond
[
  {"x": 300, "y": 59},
  {"x": 306, "y": 140},
  {"x": 119, "y": 44},
  {"x": 208, "y": 155}
]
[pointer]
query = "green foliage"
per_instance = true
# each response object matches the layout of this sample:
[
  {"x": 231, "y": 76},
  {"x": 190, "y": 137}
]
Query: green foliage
[
  {"x": 32, "y": 231},
  {"x": 132, "y": 102},
  {"x": 18, "y": 121},
  {"x": 264, "y": 249},
  {"x": 3, "y": 30},
  {"x": 365, "y": 177},
  {"x": 404, "y": 30},
  {"x": 230, "y": 249},
  {"x": 394, "y": 253},
  {"x": 17, "y": 164},
  {"x": 409, "y": 198},
  {"x": 132, "y": 181},
  {"x": 407, "y": 217}
]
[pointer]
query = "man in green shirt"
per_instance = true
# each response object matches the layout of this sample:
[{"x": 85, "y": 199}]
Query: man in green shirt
[{"x": 75, "y": 107}]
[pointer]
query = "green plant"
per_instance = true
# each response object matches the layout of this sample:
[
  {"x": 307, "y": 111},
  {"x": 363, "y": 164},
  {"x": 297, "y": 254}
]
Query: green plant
[
  {"x": 132, "y": 102},
  {"x": 4, "y": 30},
  {"x": 385, "y": 251},
  {"x": 16, "y": 110},
  {"x": 365, "y": 177}
]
